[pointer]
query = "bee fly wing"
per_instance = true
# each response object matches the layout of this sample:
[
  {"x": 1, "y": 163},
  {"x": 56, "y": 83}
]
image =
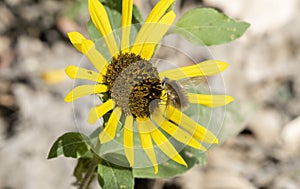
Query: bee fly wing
[{"x": 176, "y": 94}]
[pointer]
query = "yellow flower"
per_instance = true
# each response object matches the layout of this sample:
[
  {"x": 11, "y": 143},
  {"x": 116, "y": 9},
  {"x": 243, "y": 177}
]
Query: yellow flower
[{"x": 147, "y": 99}]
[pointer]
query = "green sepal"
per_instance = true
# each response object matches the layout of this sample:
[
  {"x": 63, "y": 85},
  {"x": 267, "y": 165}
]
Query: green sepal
[
  {"x": 113, "y": 151},
  {"x": 137, "y": 17},
  {"x": 115, "y": 19},
  {"x": 93, "y": 32},
  {"x": 170, "y": 168}
]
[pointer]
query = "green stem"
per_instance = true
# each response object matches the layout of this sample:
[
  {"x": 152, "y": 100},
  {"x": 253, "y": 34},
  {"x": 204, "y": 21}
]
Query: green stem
[{"x": 89, "y": 174}]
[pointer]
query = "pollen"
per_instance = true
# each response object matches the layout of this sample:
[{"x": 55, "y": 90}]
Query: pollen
[{"x": 134, "y": 84}]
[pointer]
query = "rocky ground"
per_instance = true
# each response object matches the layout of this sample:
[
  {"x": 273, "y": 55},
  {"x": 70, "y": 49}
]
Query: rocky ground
[{"x": 262, "y": 151}]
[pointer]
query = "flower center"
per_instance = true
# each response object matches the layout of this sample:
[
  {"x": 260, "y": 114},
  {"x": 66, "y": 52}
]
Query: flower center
[{"x": 134, "y": 84}]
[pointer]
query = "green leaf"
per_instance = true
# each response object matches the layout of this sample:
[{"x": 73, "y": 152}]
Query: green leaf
[
  {"x": 71, "y": 144},
  {"x": 111, "y": 176},
  {"x": 206, "y": 26}
]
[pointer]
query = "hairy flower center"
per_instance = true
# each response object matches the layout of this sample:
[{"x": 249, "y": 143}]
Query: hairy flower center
[{"x": 134, "y": 84}]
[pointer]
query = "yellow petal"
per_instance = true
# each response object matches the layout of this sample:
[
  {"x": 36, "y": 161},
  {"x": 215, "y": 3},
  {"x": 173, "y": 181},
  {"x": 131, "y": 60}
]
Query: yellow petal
[
  {"x": 177, "y": 133},
  {"x": 110, "y": 128},
  {"x": 128, "y": 140},
  {"x": 141, "y": 37},
  {"x": 157, "y": 34},
  {"x": 206, "y": 68},
  {"x": 53, "y": 76},
  {"x": 100, "y": 19},
  {"x": 159, "y": 10},
  {"x": 76, "y": 39},
  {"x": 164, "y": 144},
  {"x": 209, "y": 100},
  {"x": 147, "y": 145},
  {"x": 88, "y": 48},
  {"x": 95, "y": 57},
  {"x": 84, "y": 90},
  {"x": 126, "y": 22},
  {"x": 196, "y": 130},
  {"x": 154, "y": 16},
  {"x": 98, "y": 111},
  {"x": 75, "y": 72},
  {"x": 143, "y": 122}
]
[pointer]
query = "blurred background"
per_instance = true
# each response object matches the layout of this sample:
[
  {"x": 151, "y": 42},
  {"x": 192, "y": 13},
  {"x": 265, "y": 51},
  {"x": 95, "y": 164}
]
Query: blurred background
[{"x": 263, "y": 76}]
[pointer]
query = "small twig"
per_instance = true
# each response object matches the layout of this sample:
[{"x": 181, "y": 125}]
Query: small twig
[{"x": 89, "y": 174}]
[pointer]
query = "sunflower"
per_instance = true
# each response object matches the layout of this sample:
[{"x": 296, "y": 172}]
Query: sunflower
[{"x": 149, "y": 100}]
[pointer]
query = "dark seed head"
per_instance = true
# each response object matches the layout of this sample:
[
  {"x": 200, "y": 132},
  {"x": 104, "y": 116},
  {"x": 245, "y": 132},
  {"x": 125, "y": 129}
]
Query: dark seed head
[{"x": 134, "y": 84}]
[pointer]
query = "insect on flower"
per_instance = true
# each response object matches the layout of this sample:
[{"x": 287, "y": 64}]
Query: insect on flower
[{"x": 176, "y": 95}]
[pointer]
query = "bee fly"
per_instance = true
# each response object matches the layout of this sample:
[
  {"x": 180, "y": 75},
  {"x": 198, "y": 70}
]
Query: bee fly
[{"x": 176, "y": 95}]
